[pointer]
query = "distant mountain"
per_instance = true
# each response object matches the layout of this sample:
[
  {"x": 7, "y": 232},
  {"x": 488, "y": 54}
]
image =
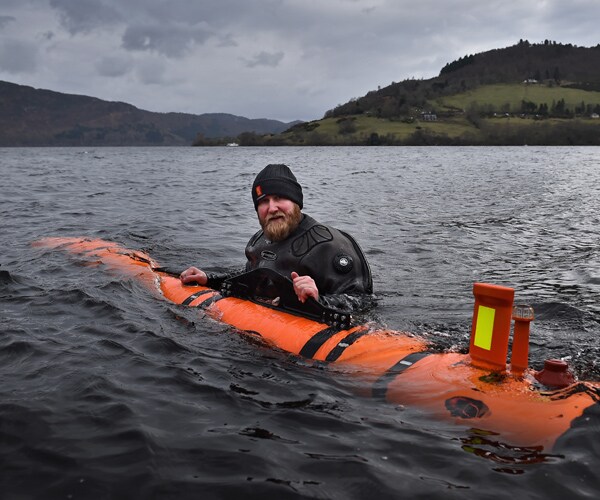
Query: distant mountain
[{"x": 36, "y": 117}]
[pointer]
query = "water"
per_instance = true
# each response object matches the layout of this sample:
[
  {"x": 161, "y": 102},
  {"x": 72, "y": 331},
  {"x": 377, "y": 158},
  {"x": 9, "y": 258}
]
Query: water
[{"x": 108, "y": 391}]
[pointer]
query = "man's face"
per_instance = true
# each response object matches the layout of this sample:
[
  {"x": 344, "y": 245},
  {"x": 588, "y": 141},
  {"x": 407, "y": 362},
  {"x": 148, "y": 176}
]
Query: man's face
[{"x": 279, "y": 217}]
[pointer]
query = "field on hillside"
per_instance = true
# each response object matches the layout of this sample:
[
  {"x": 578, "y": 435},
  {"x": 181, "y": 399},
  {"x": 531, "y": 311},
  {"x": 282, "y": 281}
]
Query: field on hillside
[
  {"x": 508, "y": 98},
  {"x": 451, "y": 130},
  {"x": 363, "y": 126}
]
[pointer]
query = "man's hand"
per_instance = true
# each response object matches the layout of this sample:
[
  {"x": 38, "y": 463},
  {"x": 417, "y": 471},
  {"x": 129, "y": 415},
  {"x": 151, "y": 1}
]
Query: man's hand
[
  {"x": 305, "y": 287},
  {"x": 193, "y": 274}
]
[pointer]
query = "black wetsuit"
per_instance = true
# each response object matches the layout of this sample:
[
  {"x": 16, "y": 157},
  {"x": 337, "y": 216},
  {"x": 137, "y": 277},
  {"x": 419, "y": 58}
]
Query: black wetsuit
[{"x": 329, "y": 256}]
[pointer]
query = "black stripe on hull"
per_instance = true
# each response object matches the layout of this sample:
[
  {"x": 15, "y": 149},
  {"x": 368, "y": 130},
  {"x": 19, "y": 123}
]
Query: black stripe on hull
[
  {"x": 194, "y": 296},
  {"x": 316, "y": 341},
  {"x": 346, "y": 342},
  {"x": 380, "y": 386},
  {"x": 210, "y": 301}
]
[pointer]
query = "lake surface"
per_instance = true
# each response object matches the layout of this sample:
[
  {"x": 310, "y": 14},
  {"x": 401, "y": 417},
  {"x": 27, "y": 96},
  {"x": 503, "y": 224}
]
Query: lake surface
[{"x": 108, "y": 391}]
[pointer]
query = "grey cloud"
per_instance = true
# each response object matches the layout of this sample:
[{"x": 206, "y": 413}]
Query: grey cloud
[
  {"x": 18, "y": 57},
  {"x": 84, "y": 15},
  {"x": 265, "y": 59},
  {"x": 4, "y": 20},
  {"x": 219, "y": 14},
  {"x": 170, "y": 39},
  {"x": 151, "y": 72},
  {"x": 227, "y": 41},
  {"x": 578, "y": 17},
  {"x": 113, "y": 66}
]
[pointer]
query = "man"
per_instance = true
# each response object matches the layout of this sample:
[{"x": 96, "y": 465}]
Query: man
[{"x": 323, "y": 263}]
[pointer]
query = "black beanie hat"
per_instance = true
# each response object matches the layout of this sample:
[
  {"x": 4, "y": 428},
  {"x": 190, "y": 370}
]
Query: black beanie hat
[{"x": 279, "y": 180}]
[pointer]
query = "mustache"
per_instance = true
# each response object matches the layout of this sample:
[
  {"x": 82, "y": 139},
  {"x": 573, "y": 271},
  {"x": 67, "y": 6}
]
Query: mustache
[{"x": 276, "y": 215}]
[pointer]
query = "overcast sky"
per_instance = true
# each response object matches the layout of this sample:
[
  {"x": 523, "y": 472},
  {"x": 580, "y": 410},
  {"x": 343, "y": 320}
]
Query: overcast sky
[{"x": 280, "y": 59}]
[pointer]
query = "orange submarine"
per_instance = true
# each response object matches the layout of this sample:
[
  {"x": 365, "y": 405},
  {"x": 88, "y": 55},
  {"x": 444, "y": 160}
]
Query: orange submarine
[{"x": 515, "y": 404}]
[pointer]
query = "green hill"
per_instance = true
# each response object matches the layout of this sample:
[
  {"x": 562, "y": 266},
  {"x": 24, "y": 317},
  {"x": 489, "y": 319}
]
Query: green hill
[{"x": 544, "y": 93}]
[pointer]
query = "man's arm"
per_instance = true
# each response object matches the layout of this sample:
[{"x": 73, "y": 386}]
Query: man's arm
[
  {"x": 194, "y": 275},
  {"x": 305, "y": 287}
]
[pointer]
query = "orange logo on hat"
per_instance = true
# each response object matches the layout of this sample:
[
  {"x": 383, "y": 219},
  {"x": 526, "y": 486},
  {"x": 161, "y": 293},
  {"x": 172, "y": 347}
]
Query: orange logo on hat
[{"x": 258, "y": 191}]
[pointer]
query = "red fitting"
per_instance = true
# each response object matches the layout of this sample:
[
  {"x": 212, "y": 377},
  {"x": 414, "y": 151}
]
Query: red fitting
[{"x": 555, "y": 374}]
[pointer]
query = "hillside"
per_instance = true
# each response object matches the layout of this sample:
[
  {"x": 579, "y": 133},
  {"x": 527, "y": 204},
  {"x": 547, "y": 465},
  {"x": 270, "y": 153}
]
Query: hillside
[
  {"x": 545, "y": 93},
  {"x": 548, "y": 63},
  {"x": 35, "y": 117}
]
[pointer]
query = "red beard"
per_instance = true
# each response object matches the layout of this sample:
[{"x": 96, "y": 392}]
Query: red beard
[{"x": 280, "y": 225}]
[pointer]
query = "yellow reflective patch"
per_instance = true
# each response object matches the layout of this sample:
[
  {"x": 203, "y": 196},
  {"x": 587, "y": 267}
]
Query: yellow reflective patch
[{"x": 484, "y": 327}]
